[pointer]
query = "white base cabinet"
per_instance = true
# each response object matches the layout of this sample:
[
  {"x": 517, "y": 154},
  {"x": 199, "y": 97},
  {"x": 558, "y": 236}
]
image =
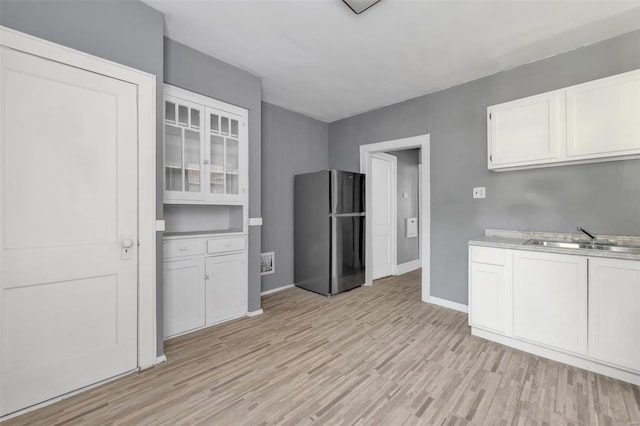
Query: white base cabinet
[
  {"x": 614, "y": 312},
  {"x": 550, "y": 300},
  {"x": 225, "y": 299},
  {"x": 579, "y": 310},
  {"x": 205, "y": 281},
  {"x": 183, "y": 295},
  {"x": 487, "y": 288}
]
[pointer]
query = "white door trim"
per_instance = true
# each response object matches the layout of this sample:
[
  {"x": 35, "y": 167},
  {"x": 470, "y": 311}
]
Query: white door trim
[
  {"x": 394, "y": 208},
  {"x": 422, "y": 142},
  {"x": 147, "y": 345}
]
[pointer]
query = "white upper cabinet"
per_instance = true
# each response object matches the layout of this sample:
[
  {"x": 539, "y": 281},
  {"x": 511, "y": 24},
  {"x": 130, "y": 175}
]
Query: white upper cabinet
[
  {"x": 528, "y": 131},
  {"x": 594, "y": 121},
  {"x": 205, "y": 150},
  {"x": 603, "y": 117}
]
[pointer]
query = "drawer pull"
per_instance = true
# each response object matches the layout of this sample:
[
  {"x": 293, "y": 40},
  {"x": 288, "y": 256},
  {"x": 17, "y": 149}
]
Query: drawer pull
[
  {"x": 184, "y": 248},
  {"x": 227, "y": 245}
]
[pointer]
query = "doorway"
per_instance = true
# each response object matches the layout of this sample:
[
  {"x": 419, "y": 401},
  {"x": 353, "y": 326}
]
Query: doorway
[{"x": 367, "y": 153}]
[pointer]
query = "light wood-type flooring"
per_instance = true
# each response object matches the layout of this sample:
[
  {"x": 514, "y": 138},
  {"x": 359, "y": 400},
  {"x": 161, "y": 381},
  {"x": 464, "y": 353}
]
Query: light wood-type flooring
[{"x": 373, "y": 356}]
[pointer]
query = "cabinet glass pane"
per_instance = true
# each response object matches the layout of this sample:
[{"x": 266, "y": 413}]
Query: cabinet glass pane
[
  {"x": 216, "y": 164},
  {"x": 232, "y": 166},
  {"x": 192, "y": 160},
  {"x": 232, "y": 184},
  {"x": 234, "y": 127},
  {"x": 195, "y": 118},
  {"x": 215, "y": 124},
  {"x": 183, "y": 115},
  {"x": 173, "y": 158},
  {"x": 170, "y": 112},
  {"x": 224, "y": 125},
  {"x": 232, "y": 156}
]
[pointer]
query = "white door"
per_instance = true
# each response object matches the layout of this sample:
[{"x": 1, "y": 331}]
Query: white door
[
  {"x": 68, "y": 156},
  {"x": 383, "y": 222},
  {"x": 183, "y": 295},
  {"x": 226, "y": 288}
]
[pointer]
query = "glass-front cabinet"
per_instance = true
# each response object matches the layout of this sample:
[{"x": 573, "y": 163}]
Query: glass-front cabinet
[{"x": 205, "y": 150}]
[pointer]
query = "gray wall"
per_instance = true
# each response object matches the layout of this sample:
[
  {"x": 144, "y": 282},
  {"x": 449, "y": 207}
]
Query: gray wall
[
  {"x": 603, "y": 197},
  {"x": 192, "y": 70},
  {"x": 292, "y": 143},
  {"x": 128, "y": 32},
  {"x": 408, "y": 249}
]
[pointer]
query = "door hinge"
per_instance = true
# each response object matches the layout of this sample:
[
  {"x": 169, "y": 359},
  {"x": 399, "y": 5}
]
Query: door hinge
[{"x": 489, "y": 116}]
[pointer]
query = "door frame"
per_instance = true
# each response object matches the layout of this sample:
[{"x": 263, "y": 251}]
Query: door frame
[
  {"x": 394, "y": 209},
  {"x": 146, "y": 85},
  {"x": 424, "y": 226}
]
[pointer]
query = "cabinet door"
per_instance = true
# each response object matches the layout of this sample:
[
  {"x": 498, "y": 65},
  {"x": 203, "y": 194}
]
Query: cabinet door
[
  {"x": 183, "y": 148},
  {"x": 550, "y": 300},
  {"x": 603, "y": 117},
  {"x": 527, "y": 131},
  {"x": 183, "y": 295},
  {"x": 487, "y": 296},
  {"x": 614, "y": 311},
  {"x": 226, "y": 153},
  {"x": 226, "y": 287}
]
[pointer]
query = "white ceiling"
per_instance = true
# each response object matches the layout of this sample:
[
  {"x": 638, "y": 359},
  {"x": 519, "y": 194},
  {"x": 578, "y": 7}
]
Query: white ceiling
[{"x": 318, "y": 58}]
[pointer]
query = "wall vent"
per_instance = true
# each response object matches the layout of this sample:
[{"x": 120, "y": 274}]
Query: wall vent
[{"x": 267, "y": 263}]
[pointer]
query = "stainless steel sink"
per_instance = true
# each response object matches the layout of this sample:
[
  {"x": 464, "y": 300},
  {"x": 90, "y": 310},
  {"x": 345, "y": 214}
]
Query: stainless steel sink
[{"x": 595, "y": 245}]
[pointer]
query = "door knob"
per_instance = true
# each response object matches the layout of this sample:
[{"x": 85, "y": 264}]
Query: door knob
[{"x": 127, "y": 242}]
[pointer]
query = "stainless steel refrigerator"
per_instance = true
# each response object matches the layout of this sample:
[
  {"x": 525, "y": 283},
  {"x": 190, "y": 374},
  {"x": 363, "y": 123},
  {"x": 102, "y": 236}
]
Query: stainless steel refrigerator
[{"x": 329, "y": 219}]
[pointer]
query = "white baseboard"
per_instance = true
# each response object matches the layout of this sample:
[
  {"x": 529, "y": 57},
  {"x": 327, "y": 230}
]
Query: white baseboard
[
  {"x": 254, "y": 313},
  {"x": 162, "y": 358},
  {"x": 275, "y": 290},
  {"x": 406, "y": 267},
  {"x": 449, "y": 304}
]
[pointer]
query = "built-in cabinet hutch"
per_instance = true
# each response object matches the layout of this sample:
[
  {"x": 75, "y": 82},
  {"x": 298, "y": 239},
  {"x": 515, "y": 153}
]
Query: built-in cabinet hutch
[{"x": 206, "y": 211}]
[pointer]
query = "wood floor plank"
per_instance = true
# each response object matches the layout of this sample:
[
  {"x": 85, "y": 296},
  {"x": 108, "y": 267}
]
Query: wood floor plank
[{"x": 375, "y": 355}]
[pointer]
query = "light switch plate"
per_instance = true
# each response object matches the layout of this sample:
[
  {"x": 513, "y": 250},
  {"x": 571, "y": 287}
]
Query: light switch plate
[{"x": 479, "y": 192}]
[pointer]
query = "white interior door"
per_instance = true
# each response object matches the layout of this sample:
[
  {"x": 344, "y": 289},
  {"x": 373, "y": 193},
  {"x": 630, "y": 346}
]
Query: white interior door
[
  {"x": 68, "y": 192},
  {"x": 383, "y": 213}
]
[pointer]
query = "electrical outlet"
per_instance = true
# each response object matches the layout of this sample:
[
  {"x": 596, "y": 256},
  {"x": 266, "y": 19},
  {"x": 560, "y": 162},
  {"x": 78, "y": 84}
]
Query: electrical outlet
[{"x": 479, "y": 192}]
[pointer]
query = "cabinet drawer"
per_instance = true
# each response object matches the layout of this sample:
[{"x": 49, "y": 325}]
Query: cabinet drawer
[
  {"x": 225, "y": 244},
  {"x": 488, "y": 255},
  {"x": 183, "y": 248}
]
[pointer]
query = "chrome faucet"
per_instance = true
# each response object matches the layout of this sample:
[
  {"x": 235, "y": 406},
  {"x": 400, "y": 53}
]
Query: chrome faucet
[{"x": 581, "y": 229}]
